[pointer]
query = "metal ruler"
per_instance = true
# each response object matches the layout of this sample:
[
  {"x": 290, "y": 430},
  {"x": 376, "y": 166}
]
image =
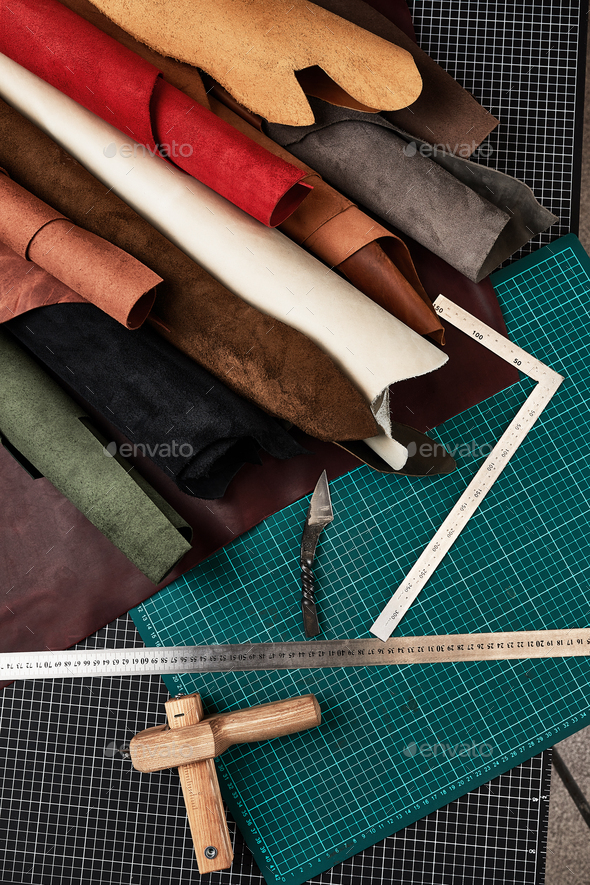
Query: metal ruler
[
  {"x": 297, "y": 655},
  {"x": 548, "y": 382}
]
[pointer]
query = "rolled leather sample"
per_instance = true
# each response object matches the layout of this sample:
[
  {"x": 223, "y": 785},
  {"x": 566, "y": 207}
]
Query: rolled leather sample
[
  {"x": 52, "y": 433},
  {"x": 438, "y": 202},
  {"x": 267, "y": 270},
  {"x": 333, "y": 228},
  {"x": 189, "y": 423},
  {"x": 258, "y": 357},
  {"x": 113, "y": 82},
  {"x": 444, "y": 113},
  {"x": 328, "y": 224},
  {"x": 92, "y": 268},
  {"x": 283, "y": 37}
]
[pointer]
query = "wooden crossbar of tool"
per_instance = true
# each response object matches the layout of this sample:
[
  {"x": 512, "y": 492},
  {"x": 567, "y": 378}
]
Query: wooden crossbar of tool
[{"x": 190, "y": 741}]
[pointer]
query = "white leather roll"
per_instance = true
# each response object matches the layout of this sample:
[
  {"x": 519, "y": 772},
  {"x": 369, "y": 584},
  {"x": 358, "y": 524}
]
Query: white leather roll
[{"x": 257, "y": 263}]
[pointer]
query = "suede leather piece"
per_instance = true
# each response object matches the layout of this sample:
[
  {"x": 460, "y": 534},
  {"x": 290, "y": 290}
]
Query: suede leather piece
[
  {"x": 437, "y": 201},
  {"x": 284, "y": 36},
  {"x": 191, "y": 425},
  {"x": 125, "y": 90},
  {"x": 444, "y": 112},
  {"x": 40, "y": 421},
  {"x": 261, "y": 358},
  {"x": 181, "y": 75},
  {"x": 90, "y": 266}
]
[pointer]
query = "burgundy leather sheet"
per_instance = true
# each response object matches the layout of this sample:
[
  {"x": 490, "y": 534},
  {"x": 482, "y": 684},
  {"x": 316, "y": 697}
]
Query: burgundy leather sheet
[{"x": 61, "y": 580}]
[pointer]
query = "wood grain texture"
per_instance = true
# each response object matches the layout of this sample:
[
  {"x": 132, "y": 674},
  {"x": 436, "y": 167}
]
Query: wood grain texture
[
  {"x": 161, "y": 747},
  {"x": 202, "y": 797}
]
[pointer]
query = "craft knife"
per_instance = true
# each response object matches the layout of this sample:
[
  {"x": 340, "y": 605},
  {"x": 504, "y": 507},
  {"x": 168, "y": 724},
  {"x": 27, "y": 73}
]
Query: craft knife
[{"x": 319, "y": 515}]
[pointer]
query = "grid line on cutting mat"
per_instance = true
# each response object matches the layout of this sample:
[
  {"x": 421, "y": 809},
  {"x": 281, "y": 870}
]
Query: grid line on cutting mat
[
  {"x": 521, "y": 61},
  {"x": 398, "y": 743}
]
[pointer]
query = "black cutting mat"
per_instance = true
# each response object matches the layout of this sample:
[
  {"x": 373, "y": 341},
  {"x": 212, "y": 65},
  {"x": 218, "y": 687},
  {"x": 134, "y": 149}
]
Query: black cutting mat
[
  {"x": 525, "y": 62},
  {"x": 72, "y": 810}
]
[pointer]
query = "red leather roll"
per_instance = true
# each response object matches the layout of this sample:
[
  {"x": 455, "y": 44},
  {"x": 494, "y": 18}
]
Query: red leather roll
[{"x": 107, "y": 78}]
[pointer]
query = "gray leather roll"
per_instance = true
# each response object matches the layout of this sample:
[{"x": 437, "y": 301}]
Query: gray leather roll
[{"x": 471, "y": 216}]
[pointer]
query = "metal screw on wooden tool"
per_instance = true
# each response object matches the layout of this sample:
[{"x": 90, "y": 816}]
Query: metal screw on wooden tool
[
  {"x": 202, "y": 797},
  {"x": 191, "y": 742}
]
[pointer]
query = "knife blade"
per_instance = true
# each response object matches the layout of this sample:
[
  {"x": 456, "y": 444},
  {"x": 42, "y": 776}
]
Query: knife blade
[{"x": 319, "y": 515}]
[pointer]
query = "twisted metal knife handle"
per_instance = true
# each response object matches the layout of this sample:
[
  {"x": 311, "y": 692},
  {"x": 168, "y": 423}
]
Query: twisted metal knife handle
[{"x": 308, "y": 606}]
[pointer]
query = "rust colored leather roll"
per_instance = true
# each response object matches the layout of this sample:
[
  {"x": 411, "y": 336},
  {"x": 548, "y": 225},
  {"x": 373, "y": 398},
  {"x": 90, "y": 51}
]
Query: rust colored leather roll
[
  {"x": 93, "y": 268},
  {"x": 372, "y": 270},
  {"x": 261, "y": 358}
]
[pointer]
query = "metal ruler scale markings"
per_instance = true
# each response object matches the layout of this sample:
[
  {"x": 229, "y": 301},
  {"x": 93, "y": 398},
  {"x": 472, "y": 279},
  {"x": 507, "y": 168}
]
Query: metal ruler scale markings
[
  {"x": 548, "y": 382},
  {"x": 523, "y": 645}
]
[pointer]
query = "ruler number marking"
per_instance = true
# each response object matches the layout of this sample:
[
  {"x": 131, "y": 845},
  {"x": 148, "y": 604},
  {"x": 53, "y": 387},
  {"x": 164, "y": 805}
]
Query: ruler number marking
[
  {"x": 407, "y": 650},
  {"x": 547, "y": 383}
]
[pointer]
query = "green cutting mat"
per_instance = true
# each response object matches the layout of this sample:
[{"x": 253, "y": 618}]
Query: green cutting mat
[{"x": 395, "y": 745}]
